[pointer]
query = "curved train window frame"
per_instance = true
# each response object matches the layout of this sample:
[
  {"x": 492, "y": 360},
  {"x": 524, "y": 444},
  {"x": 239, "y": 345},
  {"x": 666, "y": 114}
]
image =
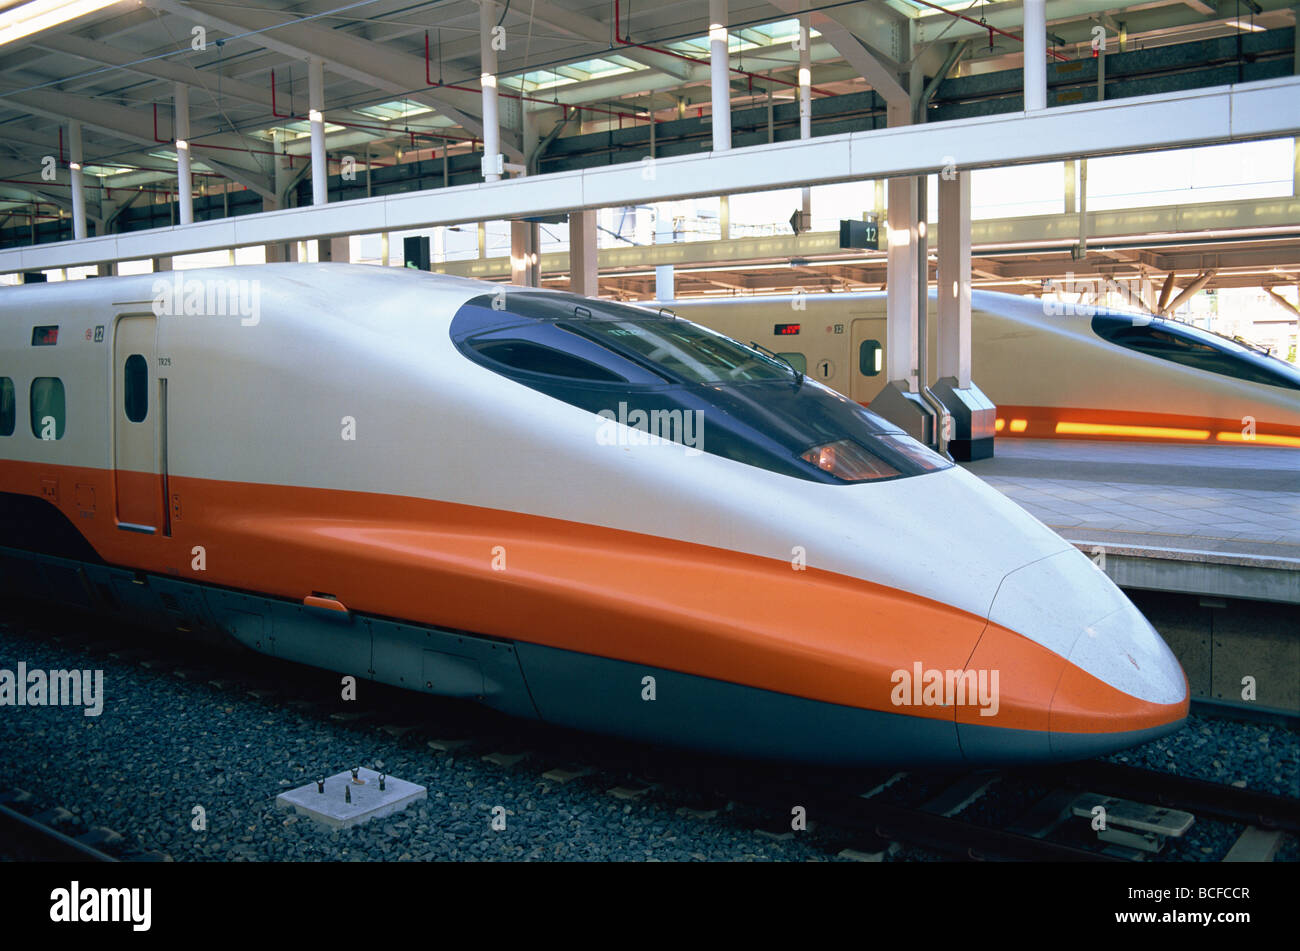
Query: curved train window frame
[
  {"x": 8, "y": 406},
  {"x": 135, "y": 390},
  {"x": 481, "y": 345},
  {"x": 876, "y": 352},
  {"x": 574, "y": 315},
  {"x": 1192, "y": 348},
  {"x": 38, "y": 410},
  {"x": 472, "y": 345},
  {"x": 672, "y": 374},
  {"x": 545, "y": 319}
]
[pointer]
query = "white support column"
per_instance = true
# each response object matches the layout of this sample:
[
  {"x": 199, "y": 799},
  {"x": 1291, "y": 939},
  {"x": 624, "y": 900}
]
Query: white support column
[
  {"x": 724, "y": 217},
  {"x": 954, "y": 279},
  {"x": 1082, "y": 247},
  {"x": 901, "y": 283},
  {"x": 315, "y": 113},
  {"x": 664, "y": 290},
  {"x": 525, "y": 262},
  {"x": 482, "y": 240},
  {"x": 1295, "y": 147},
  {"x": 334, "y": 249},
  {"x": 184, "y": 181},
  {"x": 78, "y": 188},
  {"x": 487, "y": 19},
  {"x": 277, "y": 251},
  {"x": 531, "y": 136},
  {"x": 720, "y": 74},
  {"x": 280, "y": 178},
  {"x": 584, "y": 269},
  {"x": 805, "y": 99},
  {"x": 900, "y": 333},
  {"x": 1035, "y": 55}
]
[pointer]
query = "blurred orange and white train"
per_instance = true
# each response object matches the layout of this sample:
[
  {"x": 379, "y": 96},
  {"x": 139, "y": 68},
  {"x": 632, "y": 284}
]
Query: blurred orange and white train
[{"x": 1090, "y": 374}]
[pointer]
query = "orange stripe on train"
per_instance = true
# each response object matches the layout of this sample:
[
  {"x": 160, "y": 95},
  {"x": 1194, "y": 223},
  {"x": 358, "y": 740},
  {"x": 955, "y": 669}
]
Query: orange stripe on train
[{"x": 665, "y": 603}]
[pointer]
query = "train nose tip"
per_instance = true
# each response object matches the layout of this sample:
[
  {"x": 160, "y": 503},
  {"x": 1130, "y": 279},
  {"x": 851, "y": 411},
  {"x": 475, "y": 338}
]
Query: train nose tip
[
  {"x": 1121, "y": 687},
  {"x": 1081, "y": 669}
]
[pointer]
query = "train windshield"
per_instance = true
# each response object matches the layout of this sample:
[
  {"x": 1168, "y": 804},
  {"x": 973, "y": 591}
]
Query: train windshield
[
  {"x": 643, "y": 370},
  {"x": 1193, "y": 347},
  {"x": 686, "y": 351}
]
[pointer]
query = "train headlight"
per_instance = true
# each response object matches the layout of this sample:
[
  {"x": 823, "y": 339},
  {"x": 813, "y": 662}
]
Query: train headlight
[{"x": 849, "y": 461}]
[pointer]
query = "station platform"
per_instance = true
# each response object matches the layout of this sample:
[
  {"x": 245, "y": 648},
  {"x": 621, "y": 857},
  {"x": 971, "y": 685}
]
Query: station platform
[{"x": 1217, "y": 521}]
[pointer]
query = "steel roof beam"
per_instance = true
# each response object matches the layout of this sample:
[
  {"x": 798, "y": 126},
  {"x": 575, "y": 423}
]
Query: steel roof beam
[
  {"x": 593, "y": 30},
  {"x": 120, "y": 122},
  {"x": 358, "y": 59},
  {"x": 160, "y": 69},
  {"x": 882, "y": 78},
  {"x": 32, "y": 192},
  {"x": 1198, "y": 117}
]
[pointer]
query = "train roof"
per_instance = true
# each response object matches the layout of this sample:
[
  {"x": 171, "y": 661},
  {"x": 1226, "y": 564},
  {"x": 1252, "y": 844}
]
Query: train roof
[{"x": 323, "y": 276}]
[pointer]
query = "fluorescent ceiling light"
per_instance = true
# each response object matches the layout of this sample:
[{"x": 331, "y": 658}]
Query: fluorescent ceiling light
[
  {"x": 105, "y": 171},
  {"x": 389, "y": 111},
  {"x": 37, "y": 15}
]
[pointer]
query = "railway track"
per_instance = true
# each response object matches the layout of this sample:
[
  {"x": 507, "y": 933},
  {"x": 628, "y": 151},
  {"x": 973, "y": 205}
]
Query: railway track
[
  {"x": 855, "y": 818},
  {"x": 1200, "y": 796},
  {"x": 38, "y": 839}
]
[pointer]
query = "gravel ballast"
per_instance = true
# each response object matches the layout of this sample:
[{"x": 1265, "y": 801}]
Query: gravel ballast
[{"x": 164, "y": 746}]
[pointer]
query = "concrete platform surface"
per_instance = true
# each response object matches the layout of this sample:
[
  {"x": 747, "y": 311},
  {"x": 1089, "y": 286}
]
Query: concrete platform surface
[{"x": 1220, "y": 520}]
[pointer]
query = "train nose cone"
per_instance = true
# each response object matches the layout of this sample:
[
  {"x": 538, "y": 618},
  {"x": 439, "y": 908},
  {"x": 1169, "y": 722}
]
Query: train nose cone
[
  {"x": 1080, "y": 671},
  {"x": 1121, "y": 686}
]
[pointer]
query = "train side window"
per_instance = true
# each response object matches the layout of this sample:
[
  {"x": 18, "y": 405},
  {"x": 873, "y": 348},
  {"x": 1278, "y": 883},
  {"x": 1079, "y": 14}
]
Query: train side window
[
  {"x": 796, "y": 360},
  {"x": 7, "y": 406},
  {"x": 48, "y": 407},
  {"x": 870, "y": 358},
  {"x": 1196, "y": 348},
  {"x": 534, "y": 358},
  {"x": 136, "y": 388}
]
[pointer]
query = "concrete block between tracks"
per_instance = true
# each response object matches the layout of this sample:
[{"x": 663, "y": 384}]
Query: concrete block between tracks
[{"x": 368, "y": 801}]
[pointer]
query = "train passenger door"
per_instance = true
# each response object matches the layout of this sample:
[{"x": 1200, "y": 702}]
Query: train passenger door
[
  {"x": 137, "y": 475},
  {"x": 867, "y": 375}
]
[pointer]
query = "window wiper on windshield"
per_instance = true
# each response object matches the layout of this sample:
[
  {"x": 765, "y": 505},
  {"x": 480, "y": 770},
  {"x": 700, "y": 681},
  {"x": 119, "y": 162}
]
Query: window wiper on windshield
[{"x": 798, "y": 377}]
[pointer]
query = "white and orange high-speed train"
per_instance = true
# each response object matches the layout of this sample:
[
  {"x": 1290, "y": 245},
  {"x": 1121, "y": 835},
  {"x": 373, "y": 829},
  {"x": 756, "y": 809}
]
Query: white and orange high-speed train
[
  {"x": 568, "y": 509},
  {"x": 1052, "y": 369}
]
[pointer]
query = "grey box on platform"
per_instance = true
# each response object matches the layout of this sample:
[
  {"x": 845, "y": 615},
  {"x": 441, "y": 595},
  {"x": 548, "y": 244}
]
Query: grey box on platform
[{"x": 368, "y": 800}]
